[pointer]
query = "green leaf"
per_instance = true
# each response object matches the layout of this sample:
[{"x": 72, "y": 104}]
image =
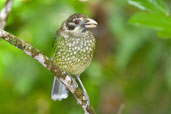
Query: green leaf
[
  {"x": 154, "y": 21},
  {"x": 164, "y": 34},
  {"x": 153, "y": 6}
]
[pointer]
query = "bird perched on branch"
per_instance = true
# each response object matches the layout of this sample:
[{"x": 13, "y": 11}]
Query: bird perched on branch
[{"x": 74, "y": 45}]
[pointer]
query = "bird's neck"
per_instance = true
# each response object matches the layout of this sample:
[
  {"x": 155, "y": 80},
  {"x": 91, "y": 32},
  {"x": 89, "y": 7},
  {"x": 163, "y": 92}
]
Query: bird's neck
[
  {"x": 81, "y": 41},
  {"x": 79, "y": 34}
]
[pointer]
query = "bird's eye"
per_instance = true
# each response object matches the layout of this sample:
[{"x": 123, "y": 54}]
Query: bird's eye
[{"x": 77, "y": 22}]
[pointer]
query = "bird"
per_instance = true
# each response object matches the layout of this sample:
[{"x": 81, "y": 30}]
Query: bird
[{"x": 73, "y": 46}]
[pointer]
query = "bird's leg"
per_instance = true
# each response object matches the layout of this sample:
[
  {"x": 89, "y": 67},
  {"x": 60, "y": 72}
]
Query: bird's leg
[{"x": 84, "y": 90}]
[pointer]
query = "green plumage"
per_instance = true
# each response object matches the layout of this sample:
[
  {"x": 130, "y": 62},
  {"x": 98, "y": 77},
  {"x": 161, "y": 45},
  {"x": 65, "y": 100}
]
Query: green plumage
[{"x": 74, "y": 54}]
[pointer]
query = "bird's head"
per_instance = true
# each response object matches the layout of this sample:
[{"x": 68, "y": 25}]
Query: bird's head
[{"x": 77, "y": 24}]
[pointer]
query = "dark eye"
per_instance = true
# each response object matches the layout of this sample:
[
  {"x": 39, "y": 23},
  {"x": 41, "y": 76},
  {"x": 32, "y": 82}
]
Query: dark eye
[
  {"x": 71, "y": 27},
  {"x": 77, "y": 22}
]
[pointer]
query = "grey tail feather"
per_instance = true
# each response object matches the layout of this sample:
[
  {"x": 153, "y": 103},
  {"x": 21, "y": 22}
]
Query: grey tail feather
[{"x": 59, "y": 91}]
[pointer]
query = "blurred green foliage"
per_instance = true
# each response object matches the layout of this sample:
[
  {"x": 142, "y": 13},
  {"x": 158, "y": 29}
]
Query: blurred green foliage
[
  {"x": 156, "y": 17},
  {"x": 132, "y": 65}
]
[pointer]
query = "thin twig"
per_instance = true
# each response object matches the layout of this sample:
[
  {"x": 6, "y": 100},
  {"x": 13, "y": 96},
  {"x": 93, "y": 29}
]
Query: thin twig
[
  {"x": 5, "y": 12},
  {"x": 121, "y": 108}
]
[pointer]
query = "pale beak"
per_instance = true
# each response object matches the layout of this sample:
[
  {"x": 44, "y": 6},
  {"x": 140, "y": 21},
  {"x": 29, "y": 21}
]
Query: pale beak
[{"x": 90, "y": 23}]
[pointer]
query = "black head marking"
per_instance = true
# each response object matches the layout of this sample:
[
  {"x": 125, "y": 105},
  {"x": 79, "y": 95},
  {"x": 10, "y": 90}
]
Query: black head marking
[
  {"x": 71, "y": 27},
  {"x": 84, "y": 30}
]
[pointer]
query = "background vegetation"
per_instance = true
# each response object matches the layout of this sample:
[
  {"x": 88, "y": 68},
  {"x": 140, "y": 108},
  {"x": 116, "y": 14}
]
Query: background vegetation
[{"x": 132, "y": 63}]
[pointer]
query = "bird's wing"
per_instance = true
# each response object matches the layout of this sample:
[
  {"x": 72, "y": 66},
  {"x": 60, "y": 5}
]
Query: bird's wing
[{"x": 55, "y": 42}]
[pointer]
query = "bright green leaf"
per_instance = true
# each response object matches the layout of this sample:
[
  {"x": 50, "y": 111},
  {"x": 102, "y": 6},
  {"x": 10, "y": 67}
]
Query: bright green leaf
[
  {"x": 164, "y": 34},
  {"x": 153, "y": 6},
  {"x": 154, "y": 21}
]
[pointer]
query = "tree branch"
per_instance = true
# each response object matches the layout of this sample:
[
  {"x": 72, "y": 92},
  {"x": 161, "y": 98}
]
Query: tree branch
[
  {"x": 67, "y": 80},
  {"x": 5, "y": 12}
]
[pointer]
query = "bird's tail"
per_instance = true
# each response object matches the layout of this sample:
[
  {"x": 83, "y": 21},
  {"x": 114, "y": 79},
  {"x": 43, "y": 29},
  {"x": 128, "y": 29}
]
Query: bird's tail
[{"x": 59, "y": 91}]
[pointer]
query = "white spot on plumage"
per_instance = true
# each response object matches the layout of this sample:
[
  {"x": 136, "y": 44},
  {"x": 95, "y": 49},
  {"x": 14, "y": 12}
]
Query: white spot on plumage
[
  {"x": 69, "y": 44},
  {"x": 59, "y": 52},
  {"x": 85, "y": 44}
]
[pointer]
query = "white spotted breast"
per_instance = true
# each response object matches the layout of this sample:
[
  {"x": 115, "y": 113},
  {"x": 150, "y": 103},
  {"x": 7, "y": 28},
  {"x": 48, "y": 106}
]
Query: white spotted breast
[{"x": 74, "y": 54}]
